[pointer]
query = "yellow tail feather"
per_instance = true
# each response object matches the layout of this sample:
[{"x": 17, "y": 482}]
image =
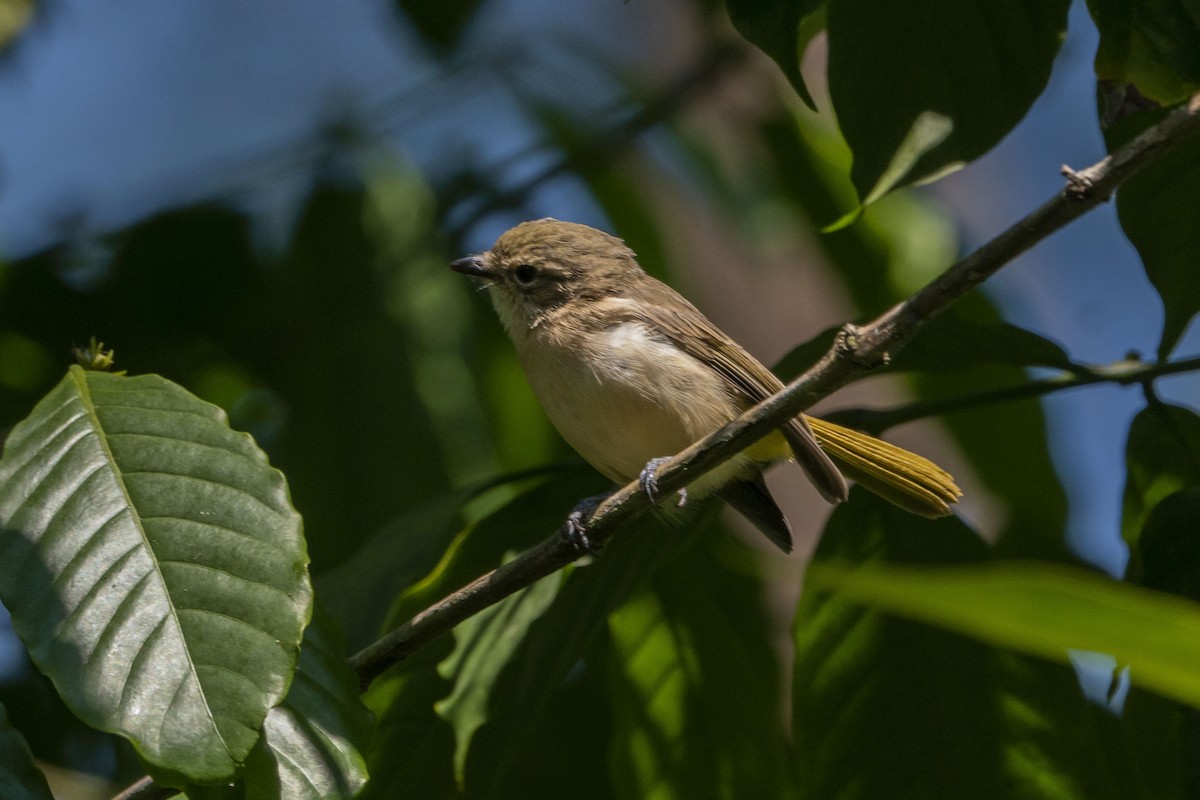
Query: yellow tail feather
[{"x": 905, "y": 479}]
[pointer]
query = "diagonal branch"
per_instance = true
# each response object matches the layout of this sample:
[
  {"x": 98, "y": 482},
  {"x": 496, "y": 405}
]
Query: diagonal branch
[{"x": 856, "y": 351}]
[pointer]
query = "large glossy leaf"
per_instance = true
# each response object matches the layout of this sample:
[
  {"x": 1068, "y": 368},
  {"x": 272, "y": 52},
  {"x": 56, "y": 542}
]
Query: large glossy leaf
[
  {"x": 154, "y": 567},
  {"x": 19, "y": 778},
  {"x": 1152, "y": 44},
  {"x": 1043, "y": 610},
  {"x": 921, "y": 85},
  {"x": 313, "y": 742}
]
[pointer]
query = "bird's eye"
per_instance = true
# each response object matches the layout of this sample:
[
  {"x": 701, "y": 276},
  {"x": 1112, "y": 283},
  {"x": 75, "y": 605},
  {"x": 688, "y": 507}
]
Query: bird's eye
[{"x": 525, "y": 274}]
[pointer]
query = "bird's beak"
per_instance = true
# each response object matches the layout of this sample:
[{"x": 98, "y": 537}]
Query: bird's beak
[{"x": 472, "y": 265}]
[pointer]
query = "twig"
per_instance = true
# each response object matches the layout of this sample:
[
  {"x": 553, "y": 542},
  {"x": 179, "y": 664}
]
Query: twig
[
  {"x": 146, "y": 789},
  {"x": 856, "y": 350},
  {"x": 1124, "y": 372}
]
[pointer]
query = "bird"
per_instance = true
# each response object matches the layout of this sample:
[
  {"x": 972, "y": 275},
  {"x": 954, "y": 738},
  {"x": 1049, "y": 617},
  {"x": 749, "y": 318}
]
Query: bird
[{"x": 630, "y": 373}]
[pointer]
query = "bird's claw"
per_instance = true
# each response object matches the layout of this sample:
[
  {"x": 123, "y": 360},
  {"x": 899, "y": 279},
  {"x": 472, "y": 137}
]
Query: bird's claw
[
  {"x": 576, "y": 527},
  {"x": 648, "y": 480}
]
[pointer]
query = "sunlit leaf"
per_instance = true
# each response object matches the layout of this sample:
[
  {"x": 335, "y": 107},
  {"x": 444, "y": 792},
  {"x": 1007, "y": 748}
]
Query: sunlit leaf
[
  {"x": 154, "y": 567},
  {"x": 694, "y": 639},
  {"x": 484, "y": 645},
  {"x": 549, "y": 723},
  {"x": 1043, "y": 610},
  {"x": 19, "y": 778},
  {"x": 977, "y": 65}
]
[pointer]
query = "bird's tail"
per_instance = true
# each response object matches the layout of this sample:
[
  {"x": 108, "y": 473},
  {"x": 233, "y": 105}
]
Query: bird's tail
[{"x": 905, "y": 479}]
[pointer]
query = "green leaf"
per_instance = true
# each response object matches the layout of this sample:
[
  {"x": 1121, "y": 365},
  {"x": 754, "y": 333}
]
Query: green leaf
[
  {"x": 1162, "y": 456},
  {"x": 780, "y": 28},
  {"x": 949, "y": 343},
  {"x": 519, "y": 524},
  {"x": 412, "y": 752},
  {"x": 1152, "y": 44},
  {"x": 680, "y": 652},
  {"x": 549, "y": 721},
  {"x": 885, "y": 707},
  {"x": 154, "y": 567},
  {"x": 1043, "y": 610},
  {"x": 312, "y": 744},
  {"x": 922, "y": 87},
  {"x": 387, "y": 564},
  {"x": 484, "y": 645},
  {"x": 952, "y": 342},
  {"x": 20, "y": 779},
  {"x": 1159, "y": 210}
]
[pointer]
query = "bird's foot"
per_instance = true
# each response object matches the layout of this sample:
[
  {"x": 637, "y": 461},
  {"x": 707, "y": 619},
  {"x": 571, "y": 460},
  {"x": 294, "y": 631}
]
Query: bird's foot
[
  {"x": 576, "y": 528},
  {"x": 649, "y": 481}
]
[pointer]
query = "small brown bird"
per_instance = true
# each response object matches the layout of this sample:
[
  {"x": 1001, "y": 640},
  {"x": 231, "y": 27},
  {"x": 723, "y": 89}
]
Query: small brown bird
[{"x": 631, "y": 373}]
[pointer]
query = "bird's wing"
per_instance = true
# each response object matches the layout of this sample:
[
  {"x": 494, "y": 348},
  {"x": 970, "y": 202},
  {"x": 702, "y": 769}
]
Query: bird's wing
[{"x": 689, "y": 330}]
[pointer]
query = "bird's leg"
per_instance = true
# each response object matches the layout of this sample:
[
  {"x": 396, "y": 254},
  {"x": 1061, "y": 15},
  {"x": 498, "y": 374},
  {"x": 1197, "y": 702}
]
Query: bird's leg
[
  {"x": 649, "y": 481},
  {"x": 576, "y": 532}
]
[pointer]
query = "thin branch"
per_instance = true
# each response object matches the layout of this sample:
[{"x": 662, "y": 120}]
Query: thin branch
[
  {"x": 146, "y": 789},
  {"x": 1125, "y": 372},
  {"x": 856, "y": 350}
]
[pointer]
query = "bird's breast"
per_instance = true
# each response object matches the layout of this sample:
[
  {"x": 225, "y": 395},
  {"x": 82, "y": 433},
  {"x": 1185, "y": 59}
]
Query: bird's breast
[{"x": 623, "y": 395}]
